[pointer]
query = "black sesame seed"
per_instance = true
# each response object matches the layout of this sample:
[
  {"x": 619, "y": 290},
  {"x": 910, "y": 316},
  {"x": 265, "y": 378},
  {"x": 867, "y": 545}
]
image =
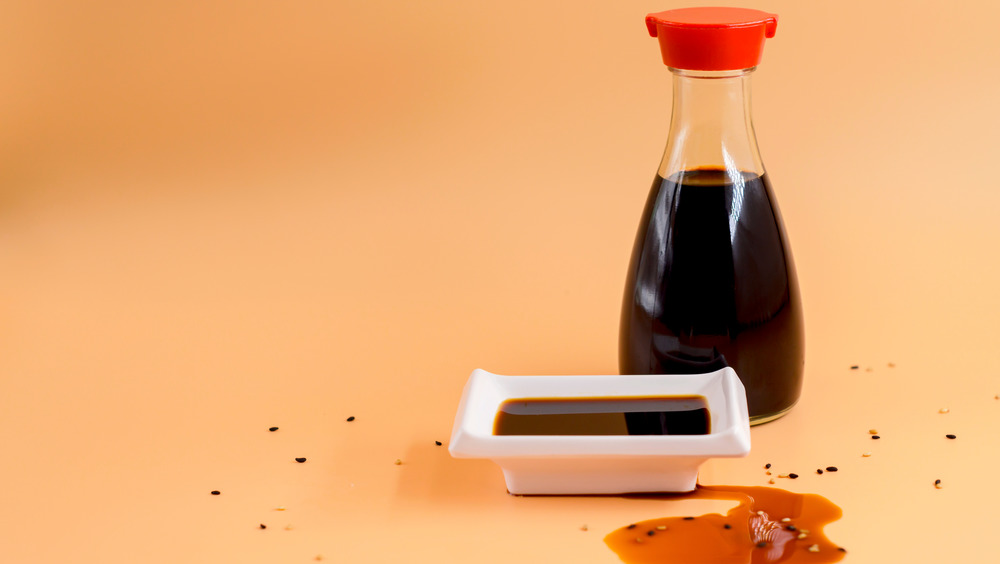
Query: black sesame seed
[
  {"x": 300, "y": 460},
  {"x": 761, "y": 544},
  {"x": 818, "y": 471},
  {"x": 351, "y": 418},
  {"x": 842, "y": 549},
  {"x": 632, "y": 526},
  {"x": 767, "y": 466},
  {"x": 793, "y": 475},
  {"x": 650, "y": 532},
  {"x": 937, "y": 482},
  {"x": 875, "y": 437},
  {"x": 438, "y": 443},
  {"x": 854, "y": 367},
  {"x": 689, "y": 518},
  {"x": 831, "y": 468},
  {"x": 217, "y": 492},
  {"x": 791, "y": 528},
  {"x": 272, "y": 429},
  {"x": 727, "y": 526},
  {"x": 263, "y": 526},
  {"x": 951, "y": 436}
]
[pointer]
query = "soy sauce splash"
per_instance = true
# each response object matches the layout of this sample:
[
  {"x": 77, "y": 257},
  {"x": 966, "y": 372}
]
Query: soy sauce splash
[{"x": 768, "y": 525}]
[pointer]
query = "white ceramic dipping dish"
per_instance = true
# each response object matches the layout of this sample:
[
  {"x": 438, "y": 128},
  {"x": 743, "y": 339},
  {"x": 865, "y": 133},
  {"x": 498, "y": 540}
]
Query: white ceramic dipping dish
[{"x": 550, "y": 464}]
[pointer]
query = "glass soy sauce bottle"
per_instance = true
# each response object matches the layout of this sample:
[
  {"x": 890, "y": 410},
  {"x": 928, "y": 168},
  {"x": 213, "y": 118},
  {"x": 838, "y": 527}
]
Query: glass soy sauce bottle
[{"x": 711, "y": 282}]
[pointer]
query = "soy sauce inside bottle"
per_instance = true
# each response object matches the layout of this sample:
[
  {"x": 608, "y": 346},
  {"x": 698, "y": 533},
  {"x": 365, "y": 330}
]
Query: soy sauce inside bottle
[{"x": 711, "y": 282}]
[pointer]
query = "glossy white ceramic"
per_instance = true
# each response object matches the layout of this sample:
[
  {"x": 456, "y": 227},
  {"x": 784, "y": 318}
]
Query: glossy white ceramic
[{"x": 600, "y": 464}]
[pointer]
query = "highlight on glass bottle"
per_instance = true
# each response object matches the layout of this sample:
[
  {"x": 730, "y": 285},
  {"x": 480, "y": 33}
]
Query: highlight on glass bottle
[{"x": 711, "y": 282}]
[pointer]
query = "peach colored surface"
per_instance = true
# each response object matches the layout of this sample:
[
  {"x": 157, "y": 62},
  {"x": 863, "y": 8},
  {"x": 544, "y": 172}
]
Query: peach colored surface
[{"x": 219, "y": 217}]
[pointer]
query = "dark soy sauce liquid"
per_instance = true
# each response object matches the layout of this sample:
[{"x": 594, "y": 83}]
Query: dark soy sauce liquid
[
  {"x": 711, "y": 284},
  {"x": 666, "y": 415}
]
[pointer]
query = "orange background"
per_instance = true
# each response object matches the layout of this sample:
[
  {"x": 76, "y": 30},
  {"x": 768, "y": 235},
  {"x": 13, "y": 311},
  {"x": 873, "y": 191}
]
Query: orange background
[{"x": 217, "y": 217}]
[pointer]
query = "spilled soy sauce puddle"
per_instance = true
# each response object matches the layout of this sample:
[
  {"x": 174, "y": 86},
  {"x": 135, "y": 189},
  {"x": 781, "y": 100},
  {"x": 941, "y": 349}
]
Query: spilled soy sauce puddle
[{"x": 767, "y": 525}]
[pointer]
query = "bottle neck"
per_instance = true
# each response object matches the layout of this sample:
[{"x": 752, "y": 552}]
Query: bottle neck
[{"x": 710, "y": 124}]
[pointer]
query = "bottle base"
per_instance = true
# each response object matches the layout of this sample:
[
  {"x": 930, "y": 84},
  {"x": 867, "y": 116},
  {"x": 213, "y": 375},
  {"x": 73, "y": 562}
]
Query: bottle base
[{"x": 768, "y": 417}]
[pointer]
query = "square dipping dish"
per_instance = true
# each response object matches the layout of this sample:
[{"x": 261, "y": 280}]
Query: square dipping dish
[{"x": 555, "y": 463}]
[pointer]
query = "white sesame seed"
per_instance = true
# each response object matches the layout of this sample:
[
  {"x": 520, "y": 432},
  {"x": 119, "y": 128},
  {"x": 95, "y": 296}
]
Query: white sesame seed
[
  {"x": 785, "y": 520},
  {"x": 944, "y": 410},
  {"x": 802, "y": 536},
  {"x": 872, "y": 431},
  {"x": 661, "y": 527},
  {"x": 866, "y": 454},
  {"x": 814, "y": 548}
]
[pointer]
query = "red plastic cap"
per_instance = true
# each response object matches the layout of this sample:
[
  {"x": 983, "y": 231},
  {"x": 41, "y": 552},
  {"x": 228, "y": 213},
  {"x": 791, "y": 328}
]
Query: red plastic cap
[{"x": 711, "y": 38}]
